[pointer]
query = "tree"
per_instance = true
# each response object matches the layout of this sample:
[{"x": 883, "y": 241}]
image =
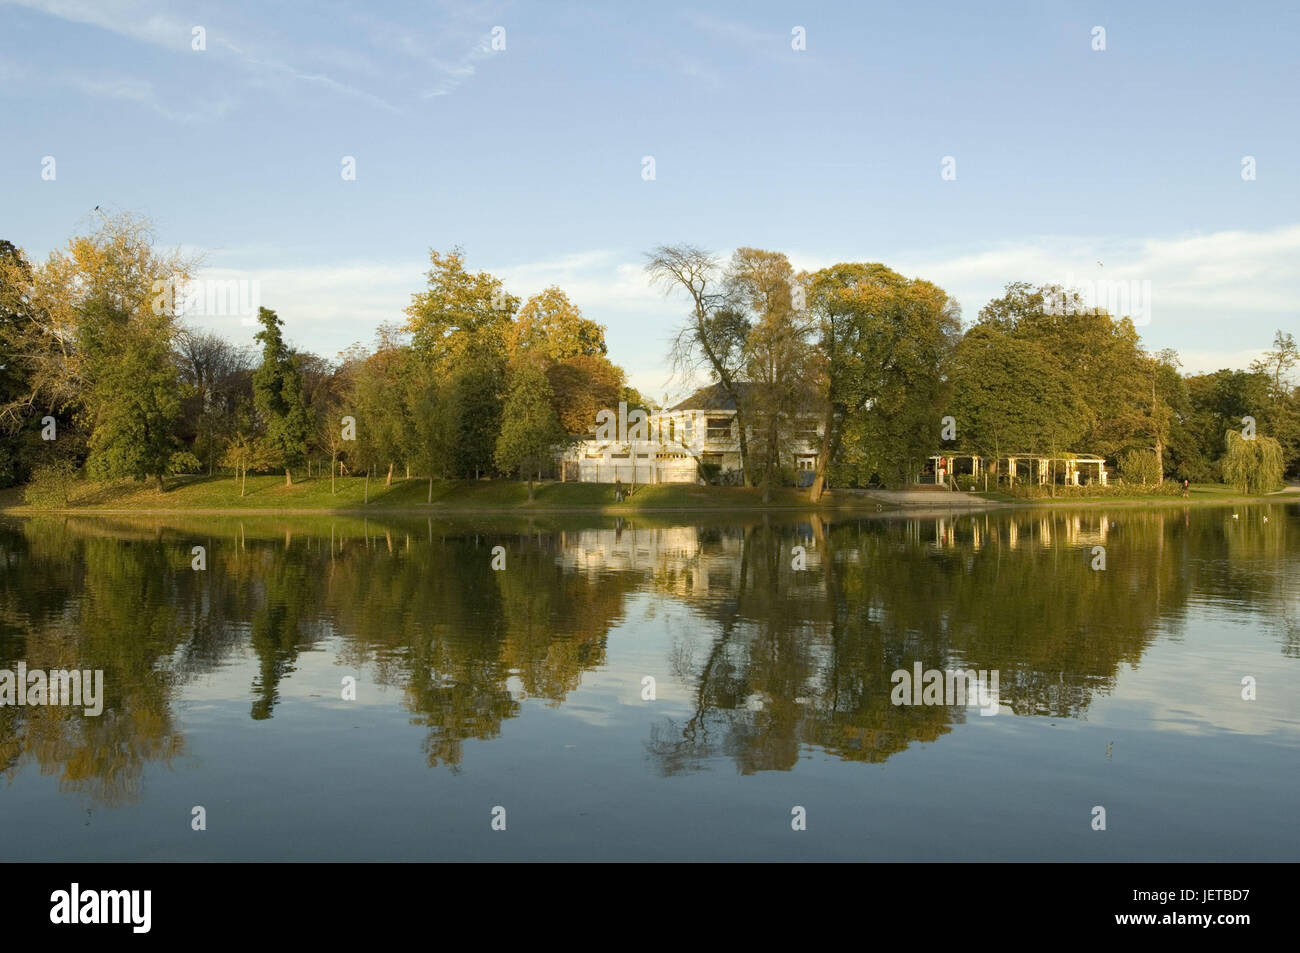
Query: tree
[
  {"x": 218, "y": 374},
  {"x": 477, "y": 386},
  {"x": 278, "y": 396},
  {"x": 884, "y": 343},
  {"x": 1252, "y": 465},
  {"x": 551, "y": 325},
  {"x": 20, "y": 446},
  {"x": 459, "y": 327},
  {"x": 714, "y": 333},
  {"x": 1278, "y": 363},
  {"x": 1010, "y": 397},
  {"x": 582, "y": 385},
  {"x": 777, "y": 359},
  {"x": 1280, "y": 414},
  {"x": 432, "y": 418},
  {"x": 93, "y": 339},
  {"x": 530, "y": 431},
  {"x": 456, "y": 306},
  {"x": 1140, "y": 466},
  {"x": 133, "y": 411},
  {"x": 378, "y": 389},
  {"x": 245, "y": 452}
]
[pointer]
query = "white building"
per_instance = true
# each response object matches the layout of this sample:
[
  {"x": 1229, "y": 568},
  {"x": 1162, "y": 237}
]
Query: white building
[{"x": 669, "y": 446}]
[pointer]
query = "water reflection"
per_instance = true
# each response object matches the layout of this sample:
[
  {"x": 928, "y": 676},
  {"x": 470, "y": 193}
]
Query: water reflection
[{"x": 784, "y": 650}]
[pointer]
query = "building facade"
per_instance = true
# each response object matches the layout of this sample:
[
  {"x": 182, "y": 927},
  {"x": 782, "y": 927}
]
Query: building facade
[{"x": 669, "y": 446}]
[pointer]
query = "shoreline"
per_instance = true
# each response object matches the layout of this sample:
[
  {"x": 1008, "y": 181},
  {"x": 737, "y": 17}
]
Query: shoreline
[{"x": 867, "y": 505}]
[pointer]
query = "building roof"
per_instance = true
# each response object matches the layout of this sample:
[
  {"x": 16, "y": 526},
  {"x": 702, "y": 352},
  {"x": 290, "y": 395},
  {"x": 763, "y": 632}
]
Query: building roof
[{"x": 713, "y": 397}]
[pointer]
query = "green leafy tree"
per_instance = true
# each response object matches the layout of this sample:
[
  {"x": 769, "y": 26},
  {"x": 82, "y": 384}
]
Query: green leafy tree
[
  {"x": 459, "y": 327},
  {"x": 134, "y": 410},
  {"x": 1252, "y": 465},
  {"x": 885, "y": 343},
  {"x": 278, "y": 396},
  {"x": 778, "y": 361},
  {"x": 1280, "y": 414},
  {"x": 530, "y": 431},
  {"x": 551, "y": 325},
  {"x": 1010, "y": 397}
]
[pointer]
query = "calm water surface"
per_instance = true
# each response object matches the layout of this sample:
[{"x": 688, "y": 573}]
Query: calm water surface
[{"x": 523, "y": 688}]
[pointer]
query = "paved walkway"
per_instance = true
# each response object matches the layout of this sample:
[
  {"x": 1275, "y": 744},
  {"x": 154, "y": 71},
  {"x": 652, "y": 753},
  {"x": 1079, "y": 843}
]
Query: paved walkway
[{"x": 934, "y": 499}]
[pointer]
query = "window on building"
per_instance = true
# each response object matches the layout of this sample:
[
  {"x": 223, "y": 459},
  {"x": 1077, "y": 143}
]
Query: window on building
[{"x": 719, "y": 428}]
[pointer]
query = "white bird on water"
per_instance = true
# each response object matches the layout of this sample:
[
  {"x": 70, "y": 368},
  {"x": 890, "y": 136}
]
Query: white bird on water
[{"x": 1234, "y": 515}]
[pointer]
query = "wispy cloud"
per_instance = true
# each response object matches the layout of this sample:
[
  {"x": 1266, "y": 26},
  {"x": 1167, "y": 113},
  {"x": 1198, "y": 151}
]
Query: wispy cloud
[
  {"x": 141, "y": 92},
  {"x": 159, "y": 25},
  {"x": 459, "y": 71},
  {"x": 1205, "y": 289}
]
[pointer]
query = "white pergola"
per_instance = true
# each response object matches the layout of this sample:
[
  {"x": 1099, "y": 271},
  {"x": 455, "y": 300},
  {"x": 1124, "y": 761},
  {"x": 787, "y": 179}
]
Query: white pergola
[{"x": 1078, "y": 468}]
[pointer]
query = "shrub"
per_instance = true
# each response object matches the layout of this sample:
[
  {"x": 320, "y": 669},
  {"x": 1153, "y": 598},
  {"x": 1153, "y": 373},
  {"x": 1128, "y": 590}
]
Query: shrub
[
  {"x": 709, "y": 472},
  {"x": 965, "y": 481},
  {"x": 183, "y": 462},
  {"x": 1034, "y": 492},
  {"x": 1140, "y": 466},
  {"x": 51, "y": 486}
]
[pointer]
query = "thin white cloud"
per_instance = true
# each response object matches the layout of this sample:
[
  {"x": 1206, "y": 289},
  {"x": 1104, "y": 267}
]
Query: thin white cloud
[
  {"x": 459, "y": 71},
  {"x": 141, "y": 92},
  {"x": 1231, "y": 286},
  {"x": 154, "y": 23},
  {"x": 1200, "y": 280}
]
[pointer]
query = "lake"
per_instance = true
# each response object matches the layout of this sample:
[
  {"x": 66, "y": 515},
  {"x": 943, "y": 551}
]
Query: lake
[{"x": 662, "y": 688}]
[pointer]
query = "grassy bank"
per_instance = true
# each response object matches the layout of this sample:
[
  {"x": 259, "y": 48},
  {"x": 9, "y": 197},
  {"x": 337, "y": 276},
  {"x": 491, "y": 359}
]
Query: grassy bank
[
  {"x": 1198, "y": 493},
  {"x": 270, "y": 496}
]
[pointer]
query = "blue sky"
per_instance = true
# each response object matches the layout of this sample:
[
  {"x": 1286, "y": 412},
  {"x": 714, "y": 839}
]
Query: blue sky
[{"x": 530, "y": 157}]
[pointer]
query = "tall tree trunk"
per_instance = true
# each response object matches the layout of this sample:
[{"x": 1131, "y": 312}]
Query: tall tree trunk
[
  {"x": 430, "y": 499},
  {"x": 829, "y": 446},
  {"x": 389, "y": 480},
  {"x": 161, "y": 488},
  {"x": 744, "y": 447},
  {"x": 288, "y": 477},
  {"x": 332, "y": 468},
  {"x": 243, "y": 480},
  {"x": 530, "y": 487},
  {"x": 367, "y": 496}
]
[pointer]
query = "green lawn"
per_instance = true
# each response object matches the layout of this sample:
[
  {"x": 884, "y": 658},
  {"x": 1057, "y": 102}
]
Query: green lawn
[
  {"x": 1197, "y": 493},
  {"x": 271, "y": 493}
]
